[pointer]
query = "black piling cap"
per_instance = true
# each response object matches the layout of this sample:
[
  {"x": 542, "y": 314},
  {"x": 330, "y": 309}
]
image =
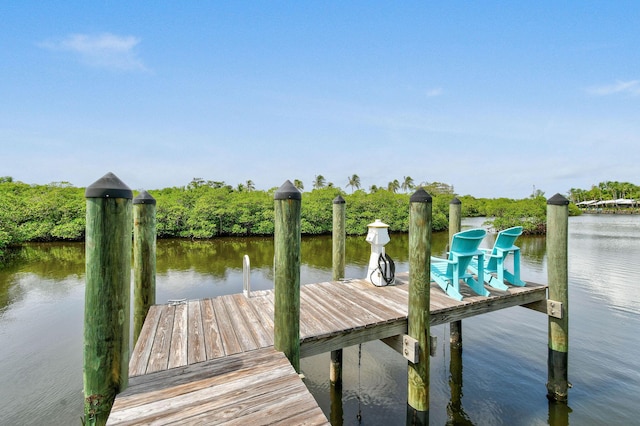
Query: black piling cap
[
  {"x": 288, "y": 192},
  {"x": 420, "y": 196},
  {"x": 144, "y": 198},
  {"x": 455, "y": 201},
  {"x": 558, "y": 200},
  {"x": 108, "y": 186},
  {"x": 339, "y": 200}
]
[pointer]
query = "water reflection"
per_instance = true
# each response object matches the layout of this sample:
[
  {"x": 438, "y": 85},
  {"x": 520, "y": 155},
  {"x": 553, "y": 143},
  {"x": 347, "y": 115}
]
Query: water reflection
[
  {"x": 52, "y": 269},
  {"x": 41, "y": 314},
  {"x": 558, "y": 414},
  {"x": 336, "y": 414},
  {"x": 604, "y": 257},
  {"x": 455, "y": 411}
]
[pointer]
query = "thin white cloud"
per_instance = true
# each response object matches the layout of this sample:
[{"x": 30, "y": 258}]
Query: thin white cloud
[
  {"x": 437, "y": 91},
  {"x": 631, "y": 87},
  {"x": 102, "y": 50}
]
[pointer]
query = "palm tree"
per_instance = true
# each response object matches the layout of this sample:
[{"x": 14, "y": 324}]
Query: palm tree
[
  {"x": 354, "y": 182},
  {"x": 319, "y": 182},
  {"x": 196, "y": 183},
  {"x": 575, "y": 195},
  {"x": 407, "y": 183},
  {"x": 298, "y": 184},
  {"x": 437, "y": 188},
  {"x": 393, "y": 186},
  {"x": 250, "y": 185}
]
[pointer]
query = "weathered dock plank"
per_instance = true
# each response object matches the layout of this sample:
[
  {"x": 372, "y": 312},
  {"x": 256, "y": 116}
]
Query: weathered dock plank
[
  {"x": 332, "y": 314},
  {"x": 178, "y": 354},
  {"x": 393, "y": 295},
  {"x": 140, "y": 357},
  {"x": 214, "y": 347},
  {"x": 159, "y": 359},
  {"x": 230, "y": 341},
  {"x": 383, "y": 312},
  {"x": 476, "y": 305},
  {"x": 262, "y": 335},
  {"x": 210, "y": 361},
  {"x": 335, "y": 308},
  {"x": 309, "y": 312},
  {"x": 196, "y": 351},
  {"x": 239, "y": 326},
  {"x": 256, "y": 387}
]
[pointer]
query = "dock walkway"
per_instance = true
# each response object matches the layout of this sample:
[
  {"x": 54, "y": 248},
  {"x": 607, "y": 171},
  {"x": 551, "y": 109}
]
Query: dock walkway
[{"x": 212, "y": 360}]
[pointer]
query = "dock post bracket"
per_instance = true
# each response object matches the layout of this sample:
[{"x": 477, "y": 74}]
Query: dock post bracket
[
  {"x": 410, "y": 349},
  {"x": 554, "y": 309}
]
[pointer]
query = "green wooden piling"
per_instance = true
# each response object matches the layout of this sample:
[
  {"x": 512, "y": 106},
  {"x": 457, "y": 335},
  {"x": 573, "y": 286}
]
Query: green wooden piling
[
  {"x": 338, "y": 237},
  {"x": 288, "y": 202},
  {"x": 420, "y": 219},
  {"x": 454, "y": 408},
  {"x": 338, "y": 265},
  {"x": 557, "y": 275},
  {"x": 108, "y": 283},
  {"x": 455, "y": 218},
  {"x": 455, "y": 226},
  {"x": 144, "y": 259}
]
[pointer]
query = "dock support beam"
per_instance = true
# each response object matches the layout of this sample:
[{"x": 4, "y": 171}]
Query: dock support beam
[
  {"x": 144, "y": 259},
  {"x": 338, "y": 266},
  {"x": 107, "y": 296},
  {"x": 557, "y": 270},
  {"x": 455, "y": 225},
  {"x": 286, "y": 263},
  {"x": 420, "y": 218}
]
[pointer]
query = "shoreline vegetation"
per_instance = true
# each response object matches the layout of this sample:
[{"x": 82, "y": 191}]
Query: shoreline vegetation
[{"x": 209, "y": 209}]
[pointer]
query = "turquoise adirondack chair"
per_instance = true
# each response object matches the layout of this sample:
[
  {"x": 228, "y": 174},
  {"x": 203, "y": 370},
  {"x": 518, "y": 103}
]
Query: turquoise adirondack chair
[
  {"x": 495, "y": 271},
  {"x": 447, "y": 273}
]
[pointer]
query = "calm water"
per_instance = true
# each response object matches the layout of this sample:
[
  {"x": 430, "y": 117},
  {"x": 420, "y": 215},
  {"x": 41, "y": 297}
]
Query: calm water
[{"x": 503, "y": 362}]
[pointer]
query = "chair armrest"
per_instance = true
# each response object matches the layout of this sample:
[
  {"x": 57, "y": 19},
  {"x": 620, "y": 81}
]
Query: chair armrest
[
  {"x": 441, "y": 260},
  {"x": 508, "y": 250},
  {"x": 471, "y": 253}
]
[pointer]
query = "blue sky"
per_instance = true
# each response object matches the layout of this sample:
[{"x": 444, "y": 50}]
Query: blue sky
[{"x": 494, "y": 98}]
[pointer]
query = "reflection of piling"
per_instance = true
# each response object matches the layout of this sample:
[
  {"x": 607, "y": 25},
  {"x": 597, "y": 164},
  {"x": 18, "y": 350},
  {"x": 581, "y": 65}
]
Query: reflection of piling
[
  {"x": 338, "y": 265},
  {"x": 144, "y": 259},
  {"x": 558, "y": 303},
  {"x": 108, "y": 278},
  {"x": 420, "y": 218},
  {"x": 286, "y": 265},
  {"x": 558, "y": 414},
  {"x": 455, "y": 225},
  {"x": 336, "y": 413},
  {"x": 455, "y": 412}
]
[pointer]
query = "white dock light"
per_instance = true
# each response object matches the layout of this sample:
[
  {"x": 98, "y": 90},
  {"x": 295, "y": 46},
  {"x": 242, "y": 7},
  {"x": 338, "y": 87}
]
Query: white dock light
[{"x": 381, "y": 268}]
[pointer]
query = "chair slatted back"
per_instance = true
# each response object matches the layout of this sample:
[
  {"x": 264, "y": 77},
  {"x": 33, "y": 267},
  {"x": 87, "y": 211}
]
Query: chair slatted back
[
  {"x": 505, "y": 241},
  {"x": 465, "y": 245}
]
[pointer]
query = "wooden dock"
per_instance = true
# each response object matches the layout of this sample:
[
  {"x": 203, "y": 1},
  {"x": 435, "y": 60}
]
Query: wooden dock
[{"x": 212, "y": 361}]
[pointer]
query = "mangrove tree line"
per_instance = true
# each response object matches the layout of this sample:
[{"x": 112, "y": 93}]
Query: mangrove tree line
[{"x": 206, "y": 209}]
